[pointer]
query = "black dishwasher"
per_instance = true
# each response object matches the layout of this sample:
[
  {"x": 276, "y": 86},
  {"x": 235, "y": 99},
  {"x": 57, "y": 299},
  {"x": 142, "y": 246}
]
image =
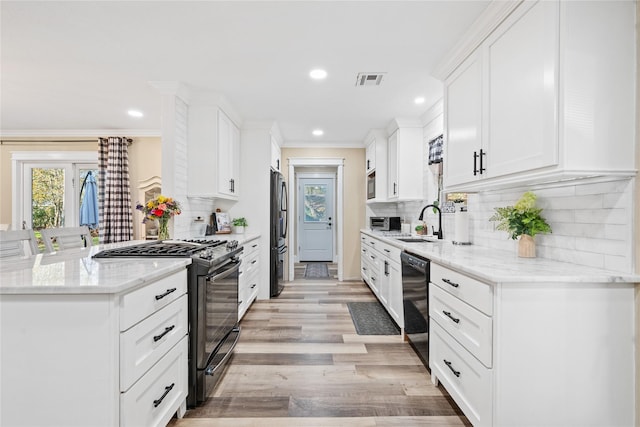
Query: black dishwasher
[{"x": 415, "y": 300}]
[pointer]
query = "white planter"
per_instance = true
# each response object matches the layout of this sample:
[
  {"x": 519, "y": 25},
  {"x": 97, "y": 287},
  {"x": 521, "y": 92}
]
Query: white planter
[{"x": 238, "y": 229}]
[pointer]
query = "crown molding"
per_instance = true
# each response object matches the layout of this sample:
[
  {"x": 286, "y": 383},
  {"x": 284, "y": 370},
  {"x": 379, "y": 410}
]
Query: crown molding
[
  {"x": 77, "y": 133},
  {"x": 493, "y": 15}
]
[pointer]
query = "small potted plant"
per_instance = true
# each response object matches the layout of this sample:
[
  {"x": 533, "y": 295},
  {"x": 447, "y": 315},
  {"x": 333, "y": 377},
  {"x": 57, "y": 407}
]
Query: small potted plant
[
  {"x": 522, "y": 220},
  {"x": 238, "y": 225},
  {"x": 421, "y": 228}
]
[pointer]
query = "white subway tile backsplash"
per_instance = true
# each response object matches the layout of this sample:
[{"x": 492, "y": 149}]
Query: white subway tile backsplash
[
  {"x": 617, "y": 263},
  {"x": 603, "y": 216},
  {"x": 576, "y": 202}
]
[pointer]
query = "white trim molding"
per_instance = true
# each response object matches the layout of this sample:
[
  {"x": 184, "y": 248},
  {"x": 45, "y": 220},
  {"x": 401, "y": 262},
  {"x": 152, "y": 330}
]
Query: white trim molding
[{"x": 338, "y": 163}]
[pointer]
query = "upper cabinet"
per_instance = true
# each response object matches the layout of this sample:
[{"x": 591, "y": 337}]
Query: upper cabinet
[
  {"x": 405, "y": 160},
  {"x": 213, "y": 153},
  {"x": 376, "y": 170},
  {"x": 370, "y": 154},
  {"x": 228, "y": 156},
  {"x": 545, "y": 95},
  {"x": 276, "y": 153}
]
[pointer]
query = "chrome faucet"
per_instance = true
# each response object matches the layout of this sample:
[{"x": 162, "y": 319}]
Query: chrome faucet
[{"x": 420, "y": 218}]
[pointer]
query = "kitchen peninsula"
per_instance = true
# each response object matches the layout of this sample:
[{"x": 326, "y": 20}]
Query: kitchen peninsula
[
  {"x": 521, "y": 341},
  {"x": 71, "y": 352}
]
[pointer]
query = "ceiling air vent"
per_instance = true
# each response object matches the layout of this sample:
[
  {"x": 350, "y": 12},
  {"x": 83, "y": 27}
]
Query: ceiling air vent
[{"x": 369, "y": 79}]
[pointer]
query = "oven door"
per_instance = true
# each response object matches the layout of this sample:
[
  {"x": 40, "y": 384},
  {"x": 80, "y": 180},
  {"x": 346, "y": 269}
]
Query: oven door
[{"x": 216, "y": 326}]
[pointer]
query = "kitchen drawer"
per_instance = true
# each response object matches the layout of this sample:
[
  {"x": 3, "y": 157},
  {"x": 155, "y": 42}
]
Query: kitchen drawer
[
  {"x": 154, "y": 399},
  {"x": 251, "y": 247},
  {"x": 145, "y": 301},
  {"x": 472, "y": 291},
  {"x": 390, "y": 251},
  {"x": 370, "y": 273},
  {"x": 468, "y": 326},
  {"x": 468, "y": 382},
  {"x": 145, "y": 343}
]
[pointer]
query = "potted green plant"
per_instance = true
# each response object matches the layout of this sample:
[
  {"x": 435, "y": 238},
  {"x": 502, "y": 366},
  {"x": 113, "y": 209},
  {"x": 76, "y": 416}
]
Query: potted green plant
[
  {"x": 522, "y": 220},
  {"x": 239, "y": 224},
  {"x": 421, "y": 228}
]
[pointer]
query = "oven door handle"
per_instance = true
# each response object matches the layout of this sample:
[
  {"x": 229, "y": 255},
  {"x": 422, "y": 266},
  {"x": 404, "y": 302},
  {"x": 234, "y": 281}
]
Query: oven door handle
[
  {"x": 224, "y": 273},
  {"x": 211, "y": 370}
]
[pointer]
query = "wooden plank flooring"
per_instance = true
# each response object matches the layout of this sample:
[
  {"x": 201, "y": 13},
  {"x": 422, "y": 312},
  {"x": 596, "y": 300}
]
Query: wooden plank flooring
[{"x": 299, "y": 362}]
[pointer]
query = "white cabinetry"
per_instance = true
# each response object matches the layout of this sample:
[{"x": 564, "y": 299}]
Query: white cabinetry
[
  {"x": 248, "y": 280},
  {"x": 538, "y": 96},
  {"x": 213, "y": 153},
  {"x": 380, "y": 269},
  {"x": 496, "y": 348},
  {"x": 276, "y": 154},
  {"x": 103, "y": 359},
  {"x": 370, "y": 155},
  {"x": 405, "y": 159},
  {"x": 228, "y": 156},
  {"x": 376, "y": 164}
]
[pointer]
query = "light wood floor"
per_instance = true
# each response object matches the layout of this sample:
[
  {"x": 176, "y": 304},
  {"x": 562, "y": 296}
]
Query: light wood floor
[{"x": 299, "y": 362}]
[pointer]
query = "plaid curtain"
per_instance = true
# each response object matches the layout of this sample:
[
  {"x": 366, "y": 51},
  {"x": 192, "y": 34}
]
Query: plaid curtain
[{"x": 114, "y": 193}]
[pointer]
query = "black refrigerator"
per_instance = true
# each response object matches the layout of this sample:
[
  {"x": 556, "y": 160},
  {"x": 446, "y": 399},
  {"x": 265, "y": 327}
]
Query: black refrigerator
[{"x": 278, "y": 232}]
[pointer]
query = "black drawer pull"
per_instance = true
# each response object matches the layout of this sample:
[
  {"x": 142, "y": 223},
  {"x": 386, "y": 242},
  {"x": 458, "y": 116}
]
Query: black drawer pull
[
  {"x": 239, "y": 302},
  {"x": 446, "y": 362},
  {"x": 254, "y": 261},
  {"x": 387, "y": 250},
  {"x": 373, "y": 278},
  {"x": 448, "y": 314},
  {"x": 158, "y": 297},
  {"x": 166, "y": 331},
  {"x": 166, "y": 391},
  {"x": 254, "y": 246},
  {"x": 253, "y": 286},
  {"x": 449, "y": 282}
]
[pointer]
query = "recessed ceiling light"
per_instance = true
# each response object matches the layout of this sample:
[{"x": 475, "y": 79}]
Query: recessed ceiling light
[
  {"x": 135, "y": 113},
  {"x": 318, "y": 132},
  {"x": 318, "y": 74},
  {"x": 419, "y": 100}
]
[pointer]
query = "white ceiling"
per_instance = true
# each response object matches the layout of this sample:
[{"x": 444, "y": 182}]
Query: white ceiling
[{"x": 78, "y": 66}]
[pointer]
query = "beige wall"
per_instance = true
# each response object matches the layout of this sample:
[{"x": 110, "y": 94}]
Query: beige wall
[
  {"x": 144, "y": 162},
  {"x": 354, "y": 198}
]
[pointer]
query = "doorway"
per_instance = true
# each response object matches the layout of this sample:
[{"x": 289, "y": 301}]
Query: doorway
[
  {"x": 315, "y": 217},
  {"x": 47, "y": 188},
  {"x": 334, "y": 166}
]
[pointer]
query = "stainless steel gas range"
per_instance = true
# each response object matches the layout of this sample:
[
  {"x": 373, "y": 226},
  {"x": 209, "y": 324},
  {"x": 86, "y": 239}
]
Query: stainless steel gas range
[{"x": 213, "y": 304}]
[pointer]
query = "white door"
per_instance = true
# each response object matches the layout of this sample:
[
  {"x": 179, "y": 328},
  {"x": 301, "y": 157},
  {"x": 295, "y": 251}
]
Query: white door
[{"x": 315, "y": 219}]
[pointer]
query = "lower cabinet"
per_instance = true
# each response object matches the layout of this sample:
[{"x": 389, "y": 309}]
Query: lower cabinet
[
  {"x": 381, "y": 271},
  {"x": 95, "y": 359},
  {"x": 249, "y": 276},
  {"x": 533, "y": 354}
]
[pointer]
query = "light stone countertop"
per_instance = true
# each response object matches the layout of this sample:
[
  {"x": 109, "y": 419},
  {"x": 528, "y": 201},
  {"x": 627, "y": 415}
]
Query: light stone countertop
[
  {"x": 74, "y": 271},
  {"x": 495, "y": 266}
]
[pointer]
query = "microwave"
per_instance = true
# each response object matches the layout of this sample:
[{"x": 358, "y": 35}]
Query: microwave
[
  {"x": 384, "y": 223},
  {"x": 371, "y": 186}
]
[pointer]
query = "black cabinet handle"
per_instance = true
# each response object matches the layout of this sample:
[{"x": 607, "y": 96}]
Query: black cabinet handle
[
  {"x": 449, "y": 282},
  {"x": 446, "y": 362},
  {"x": 387, "y": 251},
  {"x": 166, "y": 331},
  {"x": 395, "y": 185},
  {"x": 372, "y": 257},
  {"x": 475, "y": 163},
  {"x": 239, "y": 302},
  {"x": 167, "y": 389},
  {"x": 448, "y": 314},
  {"x": 253, "y": 286},
  {"x": 232, "y": 185},
  {"x": 373, "y": 278},
  {"x": 254, "y": 246},
  {"x": 482, "y": 154},
  {"x": 364, "y": 268},
  {"x": 278, "y": 164},
  {"x": 368, "y": 164},
  {"x": 159, "y": 297},
  {"x": 386, "y": 268},
  {"x": 254, "y": 261}
]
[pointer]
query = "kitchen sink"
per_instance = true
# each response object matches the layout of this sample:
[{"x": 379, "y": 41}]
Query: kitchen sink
[{"x": 413, "y": 240}]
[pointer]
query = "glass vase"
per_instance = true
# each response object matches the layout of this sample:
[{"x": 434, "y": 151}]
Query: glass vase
[{"x": 163, "y": 228}]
